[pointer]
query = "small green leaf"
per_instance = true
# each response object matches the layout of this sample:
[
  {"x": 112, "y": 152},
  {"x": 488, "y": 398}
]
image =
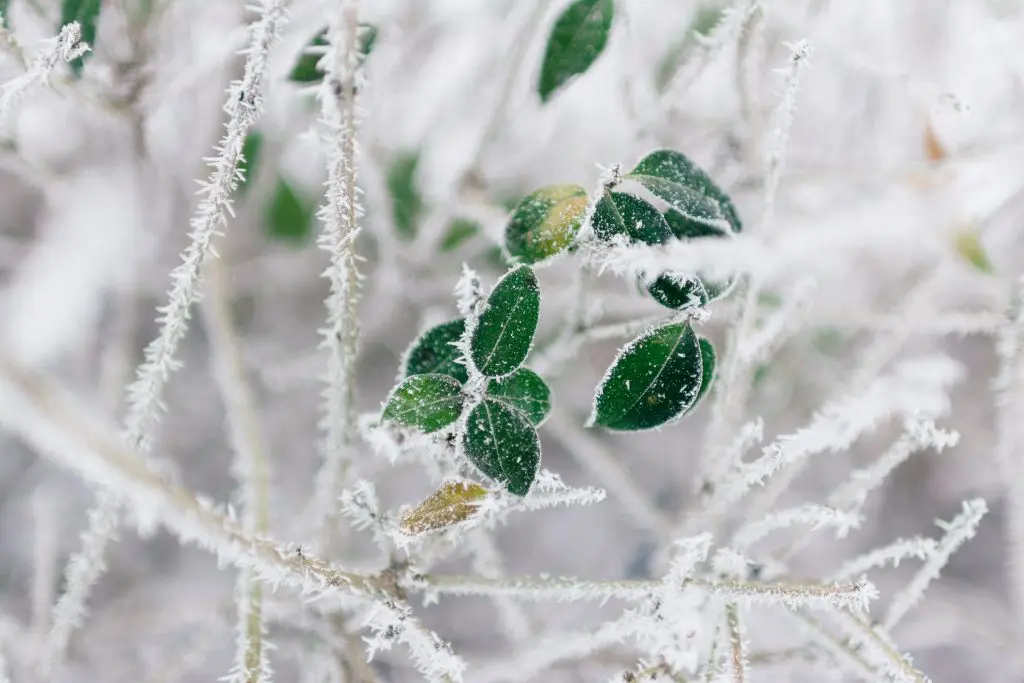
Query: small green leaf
[
  {"x": 288, "y": 217},
  {"x": 709, "y": 361},
  {"x": 459, "y": 231},
  {"x": 454, "y": 502},
  {"x": 367, "y": 39},
  {"x": 618, "y": 213},
  {"x": 406, "y": 201},
  {"x": 654, "y": 380},
  {"x": 524, "y": 390},
  {"x": 545, "y": 222},
  {"x": 504, "y": 332},
  {"x": 677, "y": 292},
  {"x": 249, "y": 162},
  {"x": 972, "y": 251},
  {"x": 86, "y": 13},
  {"x": 430, "y": 402},
  {"x": 503, "y": 444},
  {"x": 306, "y": 70},
  {"x": 434, "y": 353},
  {"x": 686, "y": 187},
  {"x": 577, "y": 39}
]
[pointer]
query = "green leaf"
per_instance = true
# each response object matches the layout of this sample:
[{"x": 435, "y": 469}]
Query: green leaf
[
  {"x": 306, "y": 70},
  {"x": 709, "y": 361},
  {"x": 670, "y": 293},
  {"x": 686, "y": 187},
  {"x": 86, "y": 13},
  {"x": 524, "y": 390},
  {"x": 433, "y": 352},
  {"x": 619, "y": 213},
  {"x": 4, "y": 5},
  {"x": 288, "y": 217},
  {"x": 406, "y": 201},
  {"x": 545, "y": 222},
  {"x": 248, "y": 163},
  {"x": 654, "y": 380},
  {"x": 459, "y": 231},
  {"x": 504, "y": 332},
  {"x": 971, "y": 250},
  {"x": 503, "y": 444},
  {"x": 577, "y": 39},
  {"x": 430, "y": 402},
  {"x": 454, "y": 502},
  {"x": 673, "y": 291},
  {"x": 684, "y": 228}
]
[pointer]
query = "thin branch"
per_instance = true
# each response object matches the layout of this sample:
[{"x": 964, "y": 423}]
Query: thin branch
[
  {"x": 251, "y": 466},
  {"x": 340, "y": 216}
]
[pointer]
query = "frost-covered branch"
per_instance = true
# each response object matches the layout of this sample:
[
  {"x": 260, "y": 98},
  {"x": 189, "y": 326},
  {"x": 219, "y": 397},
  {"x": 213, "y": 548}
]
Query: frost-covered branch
[
  {"x": 244, "y": 105},
  {"x": 340, "y": 216},
  {"x": 45, "y": 417},
  {"x": 250, "y": 465},
  {"x": 958, "y": 531},
  {"x": 144, "y": 395},
  {"x": 918, "y": 547},
  {"x": 66, "y": 46},
  {"x": 566, "y": 589},
  {"x": 915, "y": 388}
]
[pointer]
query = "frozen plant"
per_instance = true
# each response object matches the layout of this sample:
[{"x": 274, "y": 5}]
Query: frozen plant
[{"x": 554, "y": 340}]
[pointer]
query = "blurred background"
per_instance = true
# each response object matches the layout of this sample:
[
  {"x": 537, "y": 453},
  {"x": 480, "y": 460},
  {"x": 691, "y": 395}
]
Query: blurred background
[{"x": 900, "y": 208}]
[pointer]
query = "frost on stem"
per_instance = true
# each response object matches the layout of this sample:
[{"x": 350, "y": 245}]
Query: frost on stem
[
  {"x": 916, "y": 388},
  {"x": 144, "y": 394},
  {"x": 339, "y": 116},
  {"x": 66, "y": 46},
  {"x": 776, "y": 161},
  {"x": 250, "y": 466},
  {"x": 958, "y": 531},
  {"x": 243, "y": 107}
]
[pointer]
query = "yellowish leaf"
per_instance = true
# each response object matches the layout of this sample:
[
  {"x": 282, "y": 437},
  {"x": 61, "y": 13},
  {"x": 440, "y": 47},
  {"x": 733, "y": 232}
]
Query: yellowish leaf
[{"x": 454, "y": 502}]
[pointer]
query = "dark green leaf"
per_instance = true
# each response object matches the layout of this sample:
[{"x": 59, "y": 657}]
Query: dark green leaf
[
  {"x": 288, "y": 217},
  {"x": 677, "y": 292},
  {"x": 4, "y": 4},
  {"x": 545, "y": 222},
  {"x": 306, "y": 70},
  {"x": 86, "y": 13},
  {"x": 367, "y": 39},
  {"x": 430, "y": 402},
  {"x": 686, "y": 187},
  {"x": 504, "y": 332},
  {"x": 684, "y": 228},
  {"x": 406, "y": 202},
  {"x": 249, "y": 163},
  {"x": 619, "y": 213},
  {"x": 654, "y": 379},
  {"x": 709, "y": 362},
  {"x": 433, "y": 352},
  {"x": 524, "y": 390},
  {"x": 503, "y": 444},
  {"x": 459, "y": 230},
  {"x": 577, "y": 39}
]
